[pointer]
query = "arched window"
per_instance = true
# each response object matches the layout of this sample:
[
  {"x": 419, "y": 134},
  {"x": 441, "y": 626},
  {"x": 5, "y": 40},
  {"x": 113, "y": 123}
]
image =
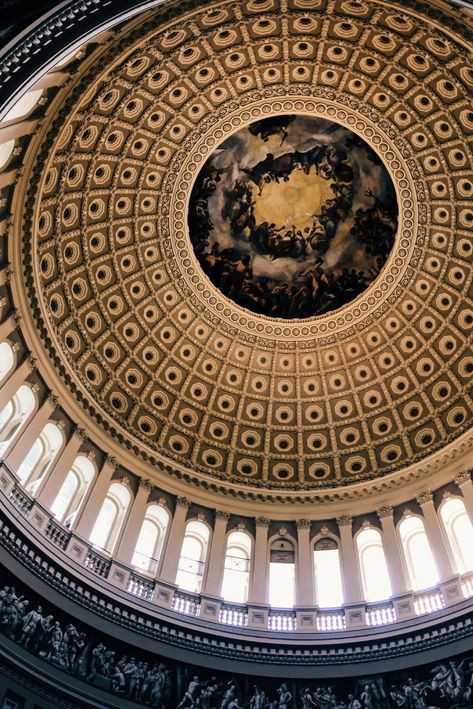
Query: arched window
[
  {"x": 459, "y": 532},
  {"x": 73, "y": 489},
  {"x": 7, "y": 356},
  {"x": 15, "y": 414},
  {"x": 110, "y": 518},
  {"x": 236, "y": 574},
  {"x": 328, "y": 577},
  {"x": 417, "y": 553},
  {"x": 282, "y": 573},
  {"x": 151, "y": 538},
  {"x": 24, "y": 106},
  {"x": 193, "y": 554},
  {"x": 374, "y": 572},
  {"x": 40, "y": 457}
]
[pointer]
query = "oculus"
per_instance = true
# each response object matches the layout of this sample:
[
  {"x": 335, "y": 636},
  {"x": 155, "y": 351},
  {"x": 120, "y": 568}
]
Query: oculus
[{"x": 293, "y": 216}]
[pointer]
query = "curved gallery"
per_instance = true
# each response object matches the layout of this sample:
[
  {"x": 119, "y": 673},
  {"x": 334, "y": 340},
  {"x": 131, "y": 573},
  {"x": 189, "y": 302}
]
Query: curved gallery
[{"x": 236, "y": 354}]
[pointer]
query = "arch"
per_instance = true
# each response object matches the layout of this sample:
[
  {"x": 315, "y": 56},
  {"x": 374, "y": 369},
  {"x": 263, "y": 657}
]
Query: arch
[
  {"x": 151, "y": 538},
  {"x": 7, "y": 354},
  {"x": 71, "y": 493},
  {"x": 418, "y": 555},
  {"x": 15, "y": 414},
  {"x": 328, "y": 573},
  {"x": 24, "y": 106},
  {"x": 40, "y": 457},
  {"x": 282, "y": 572},
  {"x": 459, "y": 530},
  {"x": 110, "y": 518},
  {"x": 193, "y": 555},
  {"x": 373, "y": 567},
  {"x": 236, "y": 572}
]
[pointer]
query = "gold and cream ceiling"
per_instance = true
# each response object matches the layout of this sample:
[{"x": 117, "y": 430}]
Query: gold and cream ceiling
[{"x": 159, "y": 357}]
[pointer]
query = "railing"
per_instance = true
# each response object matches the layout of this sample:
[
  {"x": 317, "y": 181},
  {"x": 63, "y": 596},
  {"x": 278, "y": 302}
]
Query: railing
[
  {"x": 235, "y": 615},
  {"x": 21, "y": 500},
  {"x": 57, "y": 534},
  {"x": 191, "y": 566},
  {"x": 138, "y": 586},
  {"x": 186, "y": 603},
  {"x": 280, "y": 620},
  {"x": 467, "y": 585},
  {"x": 381, "y": 615},
  {"x": 330, "y": 621},
  {"x": 96, "y": 563},
  {"x": 429, "y": 602},
  {"x": 148, "y": 564}
]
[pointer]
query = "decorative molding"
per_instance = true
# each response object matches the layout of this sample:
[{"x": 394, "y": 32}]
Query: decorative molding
[
  {"x": 464, "y": 477},
  {"x": 384, "y": 512},
  {"x": 345, "y": 521},
  {"x": 303, "y": 523},
  {"x": 424, "y": 498},
  {"x": 220, "y": 514}
]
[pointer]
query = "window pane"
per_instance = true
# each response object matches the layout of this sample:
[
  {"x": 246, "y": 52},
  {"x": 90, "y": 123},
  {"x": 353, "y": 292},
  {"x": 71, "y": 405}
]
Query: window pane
[
  {"x": 31, "y": 461},
  {"x": 374, "y": 571},
  {"x": 424, "y": 571},
  {"x": 65, "y": 495},
  {"x": 143, "y": 558},
  {"x": 328, "y": 579},
  {"x": 418, "y": 554},
  {"x": 103, "y": 525},
  {"x": 281, "y": 584}
]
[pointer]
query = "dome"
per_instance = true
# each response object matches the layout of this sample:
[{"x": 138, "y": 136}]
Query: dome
[{"x": 235, "y": 336}]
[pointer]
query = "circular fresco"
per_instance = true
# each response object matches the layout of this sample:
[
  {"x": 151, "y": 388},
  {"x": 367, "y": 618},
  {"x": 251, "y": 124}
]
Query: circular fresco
[{"x": 293, "y": 216}]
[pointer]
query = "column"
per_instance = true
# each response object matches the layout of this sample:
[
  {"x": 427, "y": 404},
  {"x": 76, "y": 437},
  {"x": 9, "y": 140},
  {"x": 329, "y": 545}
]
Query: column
[
  {"x": 392, "y": 551},
  {"x": 11, "y": 385},
  {"x": 354, "y": 605},
  {"x": 213, "y": 581},
  {"x": 52, "y": 482},
  {"x": 131, "y": 529},
  {"x": 21, "y": 447},
  {"x": 175, "y": 538},
  {"x": 463, "y": 480},
  {"x": 98, "y": 489},
  {"x": 305, "y": 566},
  {"x": 436, "y": 536},
  {"x": 7, "y": 327},
  {"x": 353, "y": 592},
  {"x": 210, "y": 600},
  {"x": 258, "y": 592},
  {"x": 258, "y": 608}
]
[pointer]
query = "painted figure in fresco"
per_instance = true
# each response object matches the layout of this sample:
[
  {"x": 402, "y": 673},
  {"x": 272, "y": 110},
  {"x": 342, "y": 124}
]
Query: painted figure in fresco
[
  {"x": 274, "y": 125},
  {"x": 341, "y": 245}
]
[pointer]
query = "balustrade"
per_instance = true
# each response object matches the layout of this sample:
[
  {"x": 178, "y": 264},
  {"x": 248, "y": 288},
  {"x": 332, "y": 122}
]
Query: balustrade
[
  {"x": 330, "y": 621},
  {"x": 282, "y": 620},
  {"x": 138, "y": 586},
  {"x": 467, "y": 585},
  {"x": 233, "y": 615},
  {"x": 381, "y": 614},
  {"x": 186, "y": 603},
  {"x": 57, "y": 534},
  {"x": 428, "y": 602}
]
